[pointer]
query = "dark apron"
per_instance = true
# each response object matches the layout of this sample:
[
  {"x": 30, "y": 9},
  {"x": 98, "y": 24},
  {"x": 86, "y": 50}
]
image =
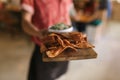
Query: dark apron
[{"x": 40, "y": 70}]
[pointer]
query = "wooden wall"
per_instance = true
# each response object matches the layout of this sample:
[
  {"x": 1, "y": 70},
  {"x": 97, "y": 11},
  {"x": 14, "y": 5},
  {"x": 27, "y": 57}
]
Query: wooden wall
[{"x": 116, "y": 11}]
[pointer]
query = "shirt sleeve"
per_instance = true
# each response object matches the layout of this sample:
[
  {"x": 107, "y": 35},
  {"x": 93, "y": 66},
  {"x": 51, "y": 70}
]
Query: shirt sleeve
[
  {"x": 28, "y": 5},
  {"x": 103, "y": 4}
]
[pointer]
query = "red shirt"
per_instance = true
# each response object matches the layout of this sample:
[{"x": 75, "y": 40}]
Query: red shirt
[{"x": 47, "y": 12}]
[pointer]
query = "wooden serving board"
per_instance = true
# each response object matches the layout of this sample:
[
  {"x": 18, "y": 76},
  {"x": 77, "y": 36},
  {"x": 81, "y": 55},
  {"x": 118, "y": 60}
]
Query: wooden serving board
[{"x": 68, "y": 55}]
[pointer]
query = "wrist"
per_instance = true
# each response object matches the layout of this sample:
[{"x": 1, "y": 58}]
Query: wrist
[{"x": 43, "y": 33}]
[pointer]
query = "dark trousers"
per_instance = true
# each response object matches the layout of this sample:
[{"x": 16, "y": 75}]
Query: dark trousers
[
  {"x": 80, "y": 26},
  {"x": 40, "y": 70}
]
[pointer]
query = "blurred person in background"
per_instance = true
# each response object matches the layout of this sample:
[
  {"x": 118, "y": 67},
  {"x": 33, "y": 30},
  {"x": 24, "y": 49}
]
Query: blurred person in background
[
  {"x": 37, "y": 16},
  {"x": 87, "y": 15},
  {"x": 106, "y": 17}
]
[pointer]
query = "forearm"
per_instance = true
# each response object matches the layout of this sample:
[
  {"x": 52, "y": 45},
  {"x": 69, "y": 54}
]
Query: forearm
[{"x": 30, "y": 29}]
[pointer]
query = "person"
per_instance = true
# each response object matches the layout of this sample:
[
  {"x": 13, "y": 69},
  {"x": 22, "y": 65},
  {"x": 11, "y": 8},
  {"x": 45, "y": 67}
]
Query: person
[
  {"x": 101, "y": 30},
  {"x": 37, "y": 16},
  {"x": 83, "y": 13},
  {"x": 89, "y": 14}
]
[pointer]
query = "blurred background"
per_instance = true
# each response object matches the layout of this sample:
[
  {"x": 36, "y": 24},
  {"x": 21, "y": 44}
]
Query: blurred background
[{"x": 16, "y": 48}]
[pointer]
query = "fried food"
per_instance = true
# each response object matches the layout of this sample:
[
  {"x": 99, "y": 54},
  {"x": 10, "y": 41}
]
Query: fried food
[{"x": 59, "y": 42}]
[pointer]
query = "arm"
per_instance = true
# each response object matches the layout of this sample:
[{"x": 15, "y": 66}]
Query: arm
[{"x": 28, "y": 27}]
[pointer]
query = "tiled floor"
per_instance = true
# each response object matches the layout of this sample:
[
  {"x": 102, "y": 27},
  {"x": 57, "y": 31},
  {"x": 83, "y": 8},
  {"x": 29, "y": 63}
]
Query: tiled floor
[{"x": 15, "y": 53}]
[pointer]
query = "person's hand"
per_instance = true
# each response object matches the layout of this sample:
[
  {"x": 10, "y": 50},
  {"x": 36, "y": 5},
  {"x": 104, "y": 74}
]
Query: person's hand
[{"x": 43, "y": 34}]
